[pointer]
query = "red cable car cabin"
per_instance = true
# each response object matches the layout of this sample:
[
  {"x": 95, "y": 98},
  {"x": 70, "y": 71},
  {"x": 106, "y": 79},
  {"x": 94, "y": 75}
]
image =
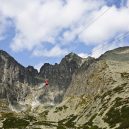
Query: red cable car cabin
[{"x": 46, "y": 82}]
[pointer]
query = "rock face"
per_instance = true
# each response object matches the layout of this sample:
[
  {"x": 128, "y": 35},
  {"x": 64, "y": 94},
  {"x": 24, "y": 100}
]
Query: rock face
[
  {"x": 16, "y": 80},
  {"x": 98, "y": 75},
  {"x": 60, "y": 75},
  {"x": 98, "y": 96}
]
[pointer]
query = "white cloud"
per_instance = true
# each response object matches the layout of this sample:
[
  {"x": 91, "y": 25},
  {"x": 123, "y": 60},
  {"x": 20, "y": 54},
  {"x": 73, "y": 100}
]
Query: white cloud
[
  {"x": 83, "y": 55},
  {"x": 102, "y": 48},
  {"x": 128, "y": 3},
  {"x": 4, "y": 24},
  {"x": 54, "y": 52},
  {"x": 113, "y": 21},
  {"x": 40, "y": 21},
  {"x": 58, "y": 22},
  {"x": 38, "y": 66}
]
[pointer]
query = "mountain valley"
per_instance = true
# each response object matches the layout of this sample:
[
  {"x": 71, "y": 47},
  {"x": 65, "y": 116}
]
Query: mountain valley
[{"x": 83, "y": 93}]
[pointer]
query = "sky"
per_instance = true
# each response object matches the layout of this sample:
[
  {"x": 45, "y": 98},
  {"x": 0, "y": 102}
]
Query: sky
[{"x": 35, "y": 32}]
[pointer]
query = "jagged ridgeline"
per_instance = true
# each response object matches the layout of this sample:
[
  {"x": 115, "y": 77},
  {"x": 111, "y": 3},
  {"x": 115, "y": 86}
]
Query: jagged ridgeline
[
  {"x": 16, "y": 81},
  {"x": 82, "y": 94}
]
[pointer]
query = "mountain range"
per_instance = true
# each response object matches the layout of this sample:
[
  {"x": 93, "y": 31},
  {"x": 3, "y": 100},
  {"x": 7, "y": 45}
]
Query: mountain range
[{"x": 83, "y": 93}]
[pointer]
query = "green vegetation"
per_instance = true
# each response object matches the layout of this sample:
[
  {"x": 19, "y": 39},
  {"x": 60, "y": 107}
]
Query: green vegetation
[
  {"x": 58, "y": 109},
  {"x": 113, "y": 117},
  {"x": 124, "y": 118},
  {"x": 96, "y": 97},
  {"x": 82, "y": 102},
  {"x": 50, "y": 124},
  {"x": 13, "y": 122},
  {"x": 108, "y": 93},
  {"x": 104, "y": 105},
  {"x": 44, "y": 114},
  {"x": 90, "y": 122},
  {"x": 118, "y": 114},
  {"x": 125, "y": 75},
  {"x": 45, "y": 123},
  {"x": 60, "y": 127},
  {"x": 89, "y": 127},
  {"x": 118, "y": 89},
  {"x": 69, "y": 122},
  {"x": 121, "y": 101},
  {"x": 6, "y": 115},
  {"x": 107, "y": 96},
  {"x": 29, "y": 118}
]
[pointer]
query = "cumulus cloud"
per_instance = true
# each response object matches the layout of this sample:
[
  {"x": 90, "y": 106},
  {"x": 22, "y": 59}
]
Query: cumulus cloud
[
  {"x": 40, "y": 21},
  {"x": 54, "y": 52},
  {"x": 38, "y": 66},
  {"x": 59, "y": 22},
  {"x": 106, "y": 27},
  {"x": 4, "y": 25},
  {"x": 102, "y": 48},
  {"x": 83, "y": 55}
]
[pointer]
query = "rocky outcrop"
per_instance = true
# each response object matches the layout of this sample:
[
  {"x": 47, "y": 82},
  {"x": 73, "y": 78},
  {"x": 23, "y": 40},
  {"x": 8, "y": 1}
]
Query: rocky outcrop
[
  {"x": 32, "y": 75},
  {"x": 98, "y": 76},
  {"x": 14, "y": 78},
  {"x": 60, "y": 75},
  {"x": 32, "y": 70},
  {"x": 80, "y": 78},
  {"x": 98, "y": 97}
]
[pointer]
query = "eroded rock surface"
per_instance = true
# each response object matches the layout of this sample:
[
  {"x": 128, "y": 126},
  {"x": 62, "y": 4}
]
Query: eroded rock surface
[{"x": 97, "y": 96}]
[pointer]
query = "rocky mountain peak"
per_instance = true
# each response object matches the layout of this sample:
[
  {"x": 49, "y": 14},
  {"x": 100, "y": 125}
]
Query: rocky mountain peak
[
  {"x": 32, "y": 70},
  {"x": 17, "y": 76},
  {"x": 60, "y": 75},
  {"x": 95, "y": 92},
  {"x": 3, "y": 53},
  {"x": 72, "y": 57},
  {"x": 118, "y": 54},
  {"x": 5, "y": 56},
  {"x": 14, "y": 78},
  {"x": 45, "y": 66}
]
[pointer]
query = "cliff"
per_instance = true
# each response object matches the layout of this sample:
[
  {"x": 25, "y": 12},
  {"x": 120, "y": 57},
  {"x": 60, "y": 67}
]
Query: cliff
[
  {"x": 14, "y": 78},
  {"x": 96, "y": 95},
  {"x": 16, "y": 81}
]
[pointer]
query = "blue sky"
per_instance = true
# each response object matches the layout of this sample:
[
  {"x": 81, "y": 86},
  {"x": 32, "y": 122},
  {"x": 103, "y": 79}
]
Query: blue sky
[{"x": 39, "y": 31}]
